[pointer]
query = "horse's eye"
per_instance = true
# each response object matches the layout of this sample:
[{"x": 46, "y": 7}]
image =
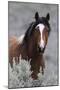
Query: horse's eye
[
  {"x": 37, "y": 28},
  {"x": 47, "y": 29}
]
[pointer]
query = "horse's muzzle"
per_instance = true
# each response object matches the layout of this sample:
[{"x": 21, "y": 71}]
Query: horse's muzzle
[{"x": 41, "y": 50}]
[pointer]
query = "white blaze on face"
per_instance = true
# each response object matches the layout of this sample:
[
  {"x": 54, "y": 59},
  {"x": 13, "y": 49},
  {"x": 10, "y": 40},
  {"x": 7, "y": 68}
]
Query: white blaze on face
[{"x": 41, "y": 28}]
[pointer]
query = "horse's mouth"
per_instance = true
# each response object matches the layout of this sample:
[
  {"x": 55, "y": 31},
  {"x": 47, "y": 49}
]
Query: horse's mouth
[{"x": 42, "y": 51}]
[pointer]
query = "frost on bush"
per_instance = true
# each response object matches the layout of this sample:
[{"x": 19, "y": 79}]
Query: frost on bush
[{"x": 20, "y": 75}]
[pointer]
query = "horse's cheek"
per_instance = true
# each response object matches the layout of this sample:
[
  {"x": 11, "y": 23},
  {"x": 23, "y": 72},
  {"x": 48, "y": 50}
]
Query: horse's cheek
[{"x": 46, "y": 39}]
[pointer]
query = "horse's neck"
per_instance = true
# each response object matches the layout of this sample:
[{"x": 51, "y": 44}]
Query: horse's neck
[
  {"x": 31, "y": 48},
  {"x": 27, "y": 48},
  {"x": 37, "y": 57}
]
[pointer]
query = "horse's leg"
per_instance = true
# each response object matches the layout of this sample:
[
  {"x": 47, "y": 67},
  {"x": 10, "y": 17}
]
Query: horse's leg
[
  {"x": 35, "y": 68},
  {"x": 42, "y": 70},
  {"x": 34, "y": 75},
  {"x": 18, "y": 60},
  {"x": 11, "y": 61},
  {"x": 43, "y": 66}
]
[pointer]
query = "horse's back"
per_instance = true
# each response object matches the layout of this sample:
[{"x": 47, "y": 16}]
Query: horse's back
[{"x": 13, "y": 41}]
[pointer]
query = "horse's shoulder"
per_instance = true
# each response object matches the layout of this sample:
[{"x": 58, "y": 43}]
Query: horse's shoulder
[{"x": 13, "y": 42}]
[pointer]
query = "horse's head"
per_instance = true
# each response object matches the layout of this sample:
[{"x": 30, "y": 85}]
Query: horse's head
[
  {"x": 38, "y": 32},
  {"x": 41, "y": 31}
]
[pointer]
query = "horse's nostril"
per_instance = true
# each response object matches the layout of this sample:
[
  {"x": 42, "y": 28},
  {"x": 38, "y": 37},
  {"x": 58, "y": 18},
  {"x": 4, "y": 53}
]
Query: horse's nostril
[{"x": 41, "y": 49}]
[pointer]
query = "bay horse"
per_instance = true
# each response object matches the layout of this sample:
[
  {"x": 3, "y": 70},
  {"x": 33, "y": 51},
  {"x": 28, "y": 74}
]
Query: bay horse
[{"x": 32, "y": 44}]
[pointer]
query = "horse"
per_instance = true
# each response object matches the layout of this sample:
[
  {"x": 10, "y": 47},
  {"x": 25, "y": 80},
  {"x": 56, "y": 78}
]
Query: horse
[{"x": 32, "y": 44}]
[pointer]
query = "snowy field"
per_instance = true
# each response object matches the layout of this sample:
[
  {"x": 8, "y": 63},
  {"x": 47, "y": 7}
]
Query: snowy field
[{"x": 20, "y": 15}]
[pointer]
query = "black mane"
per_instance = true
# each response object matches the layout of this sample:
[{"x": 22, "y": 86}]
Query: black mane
[{"x": 29, "y": 31}]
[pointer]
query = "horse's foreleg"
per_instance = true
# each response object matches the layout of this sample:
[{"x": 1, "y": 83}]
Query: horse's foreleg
[
  {"x": 18, "y": 60},
  {"x": 42, "y": 67},
  {"x": 35, "y": 68},
  {"x": 11, "y": 62},
  {"x": 34, "y": 75},
  {"x": 42, "y": 70}
]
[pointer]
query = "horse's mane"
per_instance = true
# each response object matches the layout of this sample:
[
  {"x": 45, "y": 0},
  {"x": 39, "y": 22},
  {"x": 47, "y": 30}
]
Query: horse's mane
[{"x": 29, "y": 31}]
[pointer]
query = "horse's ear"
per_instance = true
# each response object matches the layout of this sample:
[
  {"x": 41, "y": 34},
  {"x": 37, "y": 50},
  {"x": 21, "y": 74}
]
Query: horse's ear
[
  {"x": 48, "y": 16},
  {"x": 36, "y": 16}
]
